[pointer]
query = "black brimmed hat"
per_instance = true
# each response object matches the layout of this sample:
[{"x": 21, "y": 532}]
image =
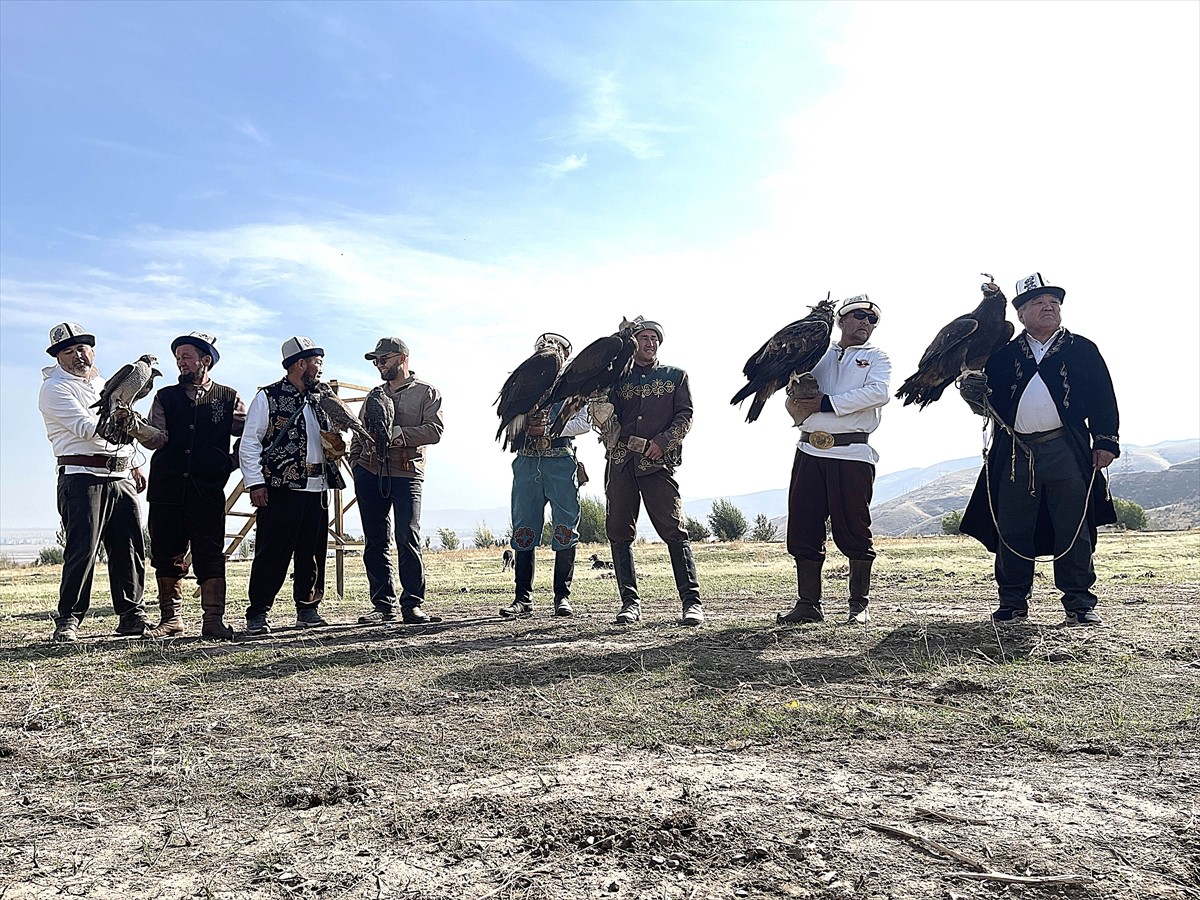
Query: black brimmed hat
[{"x": 205, "y": 343}]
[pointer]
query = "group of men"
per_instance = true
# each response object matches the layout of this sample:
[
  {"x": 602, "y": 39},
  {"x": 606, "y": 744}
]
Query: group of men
[{"x": 1040, "y": 491}]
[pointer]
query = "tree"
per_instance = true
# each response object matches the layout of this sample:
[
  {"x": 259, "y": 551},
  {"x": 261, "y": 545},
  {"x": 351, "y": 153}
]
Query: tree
[
  {"x": 483, "y": 536},
  {"x": 448, "y": 538},
  {"x": 591, "y": 521},
  {"x": 951, "y": 521},
  {"x": 763, "y": 529},
  {"x": 697, "y": 530},
  {"x": 1130, "y": 515},
  {"x": 727, "y": 521},
  {"x": 246, "y": 548}
]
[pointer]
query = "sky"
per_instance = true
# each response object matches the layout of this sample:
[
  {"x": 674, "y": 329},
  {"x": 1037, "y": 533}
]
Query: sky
[{"x": 468, "y": 175}]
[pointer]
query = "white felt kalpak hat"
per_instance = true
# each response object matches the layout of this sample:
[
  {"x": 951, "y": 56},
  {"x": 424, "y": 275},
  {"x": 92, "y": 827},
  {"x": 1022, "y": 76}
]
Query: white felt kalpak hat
[
  {"x": 1033, "y": 285},
  {"x": 862, "y": 301}
]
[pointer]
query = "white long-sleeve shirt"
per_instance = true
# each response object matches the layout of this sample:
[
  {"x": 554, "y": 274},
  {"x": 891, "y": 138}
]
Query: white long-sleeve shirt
[
  {"x": 65, "y": 402},
  {"x": 1036, "y": 410},
  {"x": 857, "y": 381},
  {"x": 251, "y": 447}
]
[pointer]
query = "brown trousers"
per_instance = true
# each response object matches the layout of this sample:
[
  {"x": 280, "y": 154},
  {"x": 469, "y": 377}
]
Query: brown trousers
[
  {"x": 625, "y": 492},
  {"x": 835, "y": 489}
]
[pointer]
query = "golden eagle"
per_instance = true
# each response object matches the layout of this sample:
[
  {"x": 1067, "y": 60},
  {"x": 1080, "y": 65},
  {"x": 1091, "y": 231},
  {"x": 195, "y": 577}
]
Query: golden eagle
[
  {"x": 790, "y": 353},
  {"x": 599, "y": 366},
  {"x": 963, "y": 345},
  {"x": 526, "y": 388}
]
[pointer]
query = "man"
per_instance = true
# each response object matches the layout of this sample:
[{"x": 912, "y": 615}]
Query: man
[
  {"x": 97, "y": 489},
  {"x": 652, "y": 406},
  {"x": 833, "y": 476},
  {"x": 1052, "y": 399},
  {"x": 393, "y": 486},
  {"x": 545, "y": 471},
  {"x": 288, "y": 475},
  {"x": 196, "y": 421}
]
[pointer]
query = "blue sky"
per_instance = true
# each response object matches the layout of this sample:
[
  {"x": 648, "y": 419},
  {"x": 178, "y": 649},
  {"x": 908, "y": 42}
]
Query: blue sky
[{"x": 468, "y": 175}]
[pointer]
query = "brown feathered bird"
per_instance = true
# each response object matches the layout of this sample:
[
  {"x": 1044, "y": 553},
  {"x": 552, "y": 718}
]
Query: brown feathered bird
[
  {"x": 341, "y": 416},
  {"x": 128, "y": 385},
  {"x": 962, "y": 346},
  {"x": 599, "y": 366},
  {"x": 792, "y": 351},
  {"x": 525, "y": 389},
  {"x": 378, "y": 416}
]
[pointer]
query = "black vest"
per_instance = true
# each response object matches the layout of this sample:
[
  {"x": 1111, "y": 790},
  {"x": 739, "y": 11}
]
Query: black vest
[{"x": 197, "y": 449}]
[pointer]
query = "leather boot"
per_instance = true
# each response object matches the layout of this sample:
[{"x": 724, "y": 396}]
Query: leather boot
[
  {"x": 631, "y": 604},
  {"x": 522, "y": 604},
  {"x": 564, "y": 574},
  {"x": 212, "y": 602},
  {"x": 683, "y": 566},
  {"x": 860, "y": 591},
  {"x": 170, "y": 606},
  {"x": 808, "y": 591}
]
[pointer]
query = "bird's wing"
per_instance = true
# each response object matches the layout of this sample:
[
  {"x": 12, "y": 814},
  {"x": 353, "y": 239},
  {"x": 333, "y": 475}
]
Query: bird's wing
[
  {"x": 527, "y": 385},
  {"x": 947, "y": 341},
  {"x": 593, "y": 367},
  {"x": 113, "y": 385}
]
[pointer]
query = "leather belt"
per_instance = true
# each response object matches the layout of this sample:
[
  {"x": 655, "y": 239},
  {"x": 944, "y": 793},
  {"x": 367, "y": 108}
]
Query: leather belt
[
  {"x": 542, "y": 443},
  {"x": 1041, "y": 437},
  {"x": 823, "y": 440},
  {"x": 96, "y": 461}
]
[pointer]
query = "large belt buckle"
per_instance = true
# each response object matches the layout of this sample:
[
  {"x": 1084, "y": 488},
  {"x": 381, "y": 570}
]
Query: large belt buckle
[
  {"x": 115, "y": 464},
  {"x": 541, "y": 442},
  {"x": 822, "y": 440},
  {"x": 637, "y": 444}
]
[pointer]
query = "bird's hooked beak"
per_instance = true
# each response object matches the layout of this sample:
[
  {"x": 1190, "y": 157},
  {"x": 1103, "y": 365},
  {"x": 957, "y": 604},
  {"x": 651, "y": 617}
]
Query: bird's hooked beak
[{"x": 155, "y": 373}]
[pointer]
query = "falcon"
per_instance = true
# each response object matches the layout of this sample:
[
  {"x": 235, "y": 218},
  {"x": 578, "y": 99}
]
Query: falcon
[
  {"x": 526, "y": 388},
  {"x": 130, "y": 384},
  {"x": 599, "y": 366},
  {"x": 341, "y": 416},
  {"x": 790, "y": 354},
  {"x": 378, "y": 415},
  {"x": 962, "y": 346}
]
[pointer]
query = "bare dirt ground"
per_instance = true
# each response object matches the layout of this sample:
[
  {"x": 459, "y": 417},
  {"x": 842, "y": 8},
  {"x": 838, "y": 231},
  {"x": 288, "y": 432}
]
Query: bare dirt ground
[{"x": 927, "y": 755}]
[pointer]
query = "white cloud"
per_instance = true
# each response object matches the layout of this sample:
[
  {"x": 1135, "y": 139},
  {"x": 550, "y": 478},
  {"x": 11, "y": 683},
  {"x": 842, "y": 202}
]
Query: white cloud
[
  {"x": 571, "y": 164},
  {"x": 248, "y": 128}
]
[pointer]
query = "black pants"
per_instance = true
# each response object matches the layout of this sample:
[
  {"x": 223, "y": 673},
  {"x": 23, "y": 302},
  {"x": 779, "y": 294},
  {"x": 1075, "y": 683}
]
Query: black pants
[
  {"x": 376, "y": 511},
  {"x": 625, "y": 492},
  {"x": 197, "y": 524},
  {"x": 1060, "y": 485},
  {"x": 97, "y": 510},
  {"x": 293, "y": 526},
  {"x": 839, "y": 490}
]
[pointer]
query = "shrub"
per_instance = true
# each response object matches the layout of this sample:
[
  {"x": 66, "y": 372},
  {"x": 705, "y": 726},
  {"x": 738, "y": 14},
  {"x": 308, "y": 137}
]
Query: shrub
[
  {"x": 763, "y": 529},
  {"x": 727, "y": 521},
  {"x": 483, "y": 536},
  {"x": 697, "y": 530},
  {"x": 448, "y": 538},
  {"x": 1130, "y": 515},
  {"x": 591, "y": 521},
  {"x": 951, "y": 521},
  {"x": 50, "y": 556}
]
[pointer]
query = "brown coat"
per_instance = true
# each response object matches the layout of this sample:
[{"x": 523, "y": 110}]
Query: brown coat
[{"x": 418, "y": 423}]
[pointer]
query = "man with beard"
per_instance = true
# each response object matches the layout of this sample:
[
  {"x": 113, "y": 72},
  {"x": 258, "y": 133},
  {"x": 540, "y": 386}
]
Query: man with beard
[
  {"x": 653, "y": 406},
  {"x": 97, "y": 489},
  {"x": 392, "y": 485},
  {"x": 288, "y": 476},
  {"x": 196, "y": 421}
]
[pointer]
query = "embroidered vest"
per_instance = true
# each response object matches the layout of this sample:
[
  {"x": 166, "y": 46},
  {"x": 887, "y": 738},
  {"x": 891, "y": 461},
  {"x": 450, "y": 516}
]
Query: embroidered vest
[
  {"x": 197, "y": 450},
  {"x": 285, "y": 445}
]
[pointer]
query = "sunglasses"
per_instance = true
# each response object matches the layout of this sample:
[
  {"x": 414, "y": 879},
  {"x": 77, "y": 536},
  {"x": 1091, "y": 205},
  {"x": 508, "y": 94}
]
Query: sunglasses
[
  {"x": 384, "y": 360},
  {"x": 861, "y": 314}
]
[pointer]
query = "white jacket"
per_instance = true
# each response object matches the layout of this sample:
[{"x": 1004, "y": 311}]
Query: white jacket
[
  {"x": 65, "y": 402},
  {"x": 857, "y": 381}
]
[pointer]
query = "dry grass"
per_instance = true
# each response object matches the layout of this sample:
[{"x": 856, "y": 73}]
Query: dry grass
[{"x": 567, "y": 758}]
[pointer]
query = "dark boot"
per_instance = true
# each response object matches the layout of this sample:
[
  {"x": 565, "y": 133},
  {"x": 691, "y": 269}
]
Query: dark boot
[
  {"x": 212, "y": 602},
  {"x": 170, "y": 607},
  {"x": 683, "y": 566},
  {"x": 564, "y": 574},
  {"x": 631, "y": 605},
  {"x": 860, "y": 591},
  {"x": 522, "y": 605},
  {"x": 808, "y": 591}
]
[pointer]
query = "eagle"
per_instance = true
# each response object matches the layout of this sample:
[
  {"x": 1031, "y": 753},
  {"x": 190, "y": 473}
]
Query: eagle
[
  {"x": 962, "y": 346},
  {"x": 130, "y": 384},
  {"x": 788, "y": 355},
  {"x": 526, "y": 388},
  {"x": 599, "y": 366},
  {"x": 341, "y": 416}
]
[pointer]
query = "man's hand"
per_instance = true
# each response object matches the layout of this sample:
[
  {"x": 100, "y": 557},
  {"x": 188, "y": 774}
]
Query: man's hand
[
  {"x": 1102, "y": 459},
  {"x": 653, "y": 452},
  {"x": 258, "y": 496},
  {"x": 139, "y": 480},
  {"x": 800, "y": 409},
  {"x": 974, "y": 389}
]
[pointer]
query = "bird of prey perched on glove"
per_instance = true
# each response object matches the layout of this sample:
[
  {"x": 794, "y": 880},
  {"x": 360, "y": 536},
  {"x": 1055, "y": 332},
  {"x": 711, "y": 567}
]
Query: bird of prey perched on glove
[
  {"x": 130, "y": 384},
  {"x": 962, "y": 346},
  {"x": 528, "y": 386},
  {"x": 788, "y": 356}
]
